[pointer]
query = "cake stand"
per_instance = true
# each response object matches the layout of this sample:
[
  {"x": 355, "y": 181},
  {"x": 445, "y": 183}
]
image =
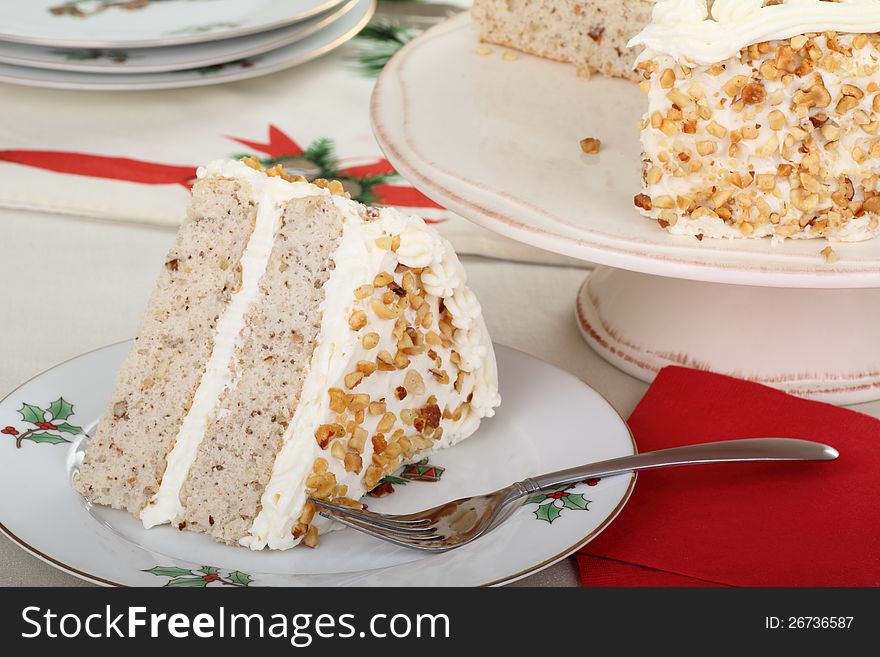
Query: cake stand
[{"x": 494, "y": 136}]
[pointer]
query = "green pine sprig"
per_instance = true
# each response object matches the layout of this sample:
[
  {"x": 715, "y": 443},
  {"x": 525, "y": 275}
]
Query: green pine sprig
[{"x": 378, "y": 42}]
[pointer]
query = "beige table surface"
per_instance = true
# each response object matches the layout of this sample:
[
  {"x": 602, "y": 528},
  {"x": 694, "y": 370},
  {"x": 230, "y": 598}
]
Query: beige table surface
[{"x": 70, "y": 285}]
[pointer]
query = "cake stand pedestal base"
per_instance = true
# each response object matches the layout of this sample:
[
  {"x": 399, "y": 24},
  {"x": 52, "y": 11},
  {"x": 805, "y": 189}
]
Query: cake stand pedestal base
[{"x": 818, "y": 344}]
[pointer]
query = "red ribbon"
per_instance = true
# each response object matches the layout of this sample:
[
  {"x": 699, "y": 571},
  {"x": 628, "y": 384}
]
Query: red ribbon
[{"x": 154, "y": 173}]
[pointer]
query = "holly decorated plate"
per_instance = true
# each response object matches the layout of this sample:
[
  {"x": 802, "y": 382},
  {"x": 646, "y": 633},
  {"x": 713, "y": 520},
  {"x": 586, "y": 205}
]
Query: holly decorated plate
[
  {"x": 168, "y": 58},
  {"x": 548, "y": 420},
  {"x": 146, "y": 23},
  {"x": 329, "y": 36}
]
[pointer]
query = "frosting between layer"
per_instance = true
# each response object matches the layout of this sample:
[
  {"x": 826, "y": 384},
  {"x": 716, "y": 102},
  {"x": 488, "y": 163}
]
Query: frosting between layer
[{"x": 687, "y": 30}]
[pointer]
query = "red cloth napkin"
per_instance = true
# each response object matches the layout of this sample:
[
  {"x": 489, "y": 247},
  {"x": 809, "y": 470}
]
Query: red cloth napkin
[{"x": 764, "y": 524}]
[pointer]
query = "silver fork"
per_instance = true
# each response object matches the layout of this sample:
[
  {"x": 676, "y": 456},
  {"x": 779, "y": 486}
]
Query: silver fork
[{"x": 455, "y": 524}]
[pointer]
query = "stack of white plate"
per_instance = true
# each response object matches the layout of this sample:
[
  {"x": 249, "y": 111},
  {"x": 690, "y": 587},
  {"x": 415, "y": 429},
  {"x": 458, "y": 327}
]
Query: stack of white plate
[{"x": 162, "y": 44}]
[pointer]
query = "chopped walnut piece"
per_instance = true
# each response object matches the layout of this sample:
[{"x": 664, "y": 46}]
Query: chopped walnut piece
[
  {"x": 414, "y": 382},
  {"x": 352, "y": 379},
  {"x": 358, "y": 320},
  {"x": 252, "y": 162},
  {"x": 277, "y": 171},
  {"x": 327, "y": 432},
  {"x": 643, "y": 201},
  {"x": 385, "y": 361},
  {"x": 754, "y": 93},
  {"x": 383, "y": 311},
  {"x": 311, "y": 539},
  {"x": 830, "y": 255},
  {"x": 590, "y": 145},
  {"x": 372, "y": 476},
  {"x": 386, "y": 423},
  {"x": 366, "y": 367},
  {"x": 353, "y": 462},
  {"x": 379, "y": 443},
  {"x": 370, "y": 340}
]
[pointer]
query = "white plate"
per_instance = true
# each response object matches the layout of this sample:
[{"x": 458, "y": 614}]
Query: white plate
[
  {"x": 497, "y": 141},
  {"x": 330, "y": 37},
  {"x": 150, "y": 23},
  {"x": 548, "y": 421},
  {"x": 169, "y": 58}
]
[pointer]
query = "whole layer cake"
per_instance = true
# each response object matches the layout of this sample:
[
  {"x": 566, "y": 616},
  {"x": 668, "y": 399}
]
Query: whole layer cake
[
  {"x": 298, "y": 344},
  {"x": 592, "y": 34},
  {"x": 763, "y": 118}
]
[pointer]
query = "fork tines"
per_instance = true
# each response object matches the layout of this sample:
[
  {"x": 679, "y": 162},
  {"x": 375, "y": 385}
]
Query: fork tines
[{"x": 401, "y": 531}]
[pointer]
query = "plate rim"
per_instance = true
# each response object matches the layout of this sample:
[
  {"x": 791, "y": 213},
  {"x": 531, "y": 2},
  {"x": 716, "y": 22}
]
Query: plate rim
[
  {"x": 171, "y": 41},
  {"x": 219, "y": 78},
  {"x": 101, "y": 581},
  {"x": 428, "y": 177},
  {"x": 282, "y": 40}
]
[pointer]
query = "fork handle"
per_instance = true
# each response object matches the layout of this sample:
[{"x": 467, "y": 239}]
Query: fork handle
[{"x": 725, "y": 451}]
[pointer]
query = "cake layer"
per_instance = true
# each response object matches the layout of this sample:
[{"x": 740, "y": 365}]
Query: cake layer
[
  {"x": 125, "y": 460},
  {"x": 591, "y": 34},
  {"x": 222, "y": 492},
  {"x": 782, "y": 140}
]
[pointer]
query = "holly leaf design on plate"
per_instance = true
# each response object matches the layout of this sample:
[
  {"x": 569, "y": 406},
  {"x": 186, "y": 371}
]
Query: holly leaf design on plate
[
  {"x": 60, "y": 409},
  {"x": 168, "y": 571},
  {"x": 536, "y": 499},
  {"x": 548, "y": 512},
  {"x": 209, "y": 570},
  {"x": 32, "y": 414},
  {"x": 190, "y": 582},
  {"x": 64, "y": 427},
  {"x": 240, "y": 578},
  {"x": 575, "y": 501},
  {"x": 50, "y": 438}
]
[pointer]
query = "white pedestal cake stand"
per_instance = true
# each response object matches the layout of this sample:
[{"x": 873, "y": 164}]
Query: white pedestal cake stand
[{"x": 496, "y": 140}]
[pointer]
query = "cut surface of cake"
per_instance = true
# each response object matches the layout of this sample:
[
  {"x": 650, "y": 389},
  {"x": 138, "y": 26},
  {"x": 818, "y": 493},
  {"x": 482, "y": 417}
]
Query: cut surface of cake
[
  {"x": 591, "y": 34},
  {"x": 297, "y": 344},
  {"x": 763, "y": 118}
]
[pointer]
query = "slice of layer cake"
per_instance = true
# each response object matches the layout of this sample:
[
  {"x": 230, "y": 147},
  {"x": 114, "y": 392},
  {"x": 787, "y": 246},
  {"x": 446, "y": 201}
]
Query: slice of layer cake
[
  {"x": 297, "y": 344},
  {"x": 763, "y": 118},
  {"x": 591, "y": 34}
]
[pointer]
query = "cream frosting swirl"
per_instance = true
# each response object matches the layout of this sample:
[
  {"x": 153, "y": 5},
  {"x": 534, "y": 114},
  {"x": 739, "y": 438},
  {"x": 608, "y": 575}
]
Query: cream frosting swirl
[
  {"x": 445, "y": 274},
  {"x": 688, "y": 30},
  {"x": 464, "y": 306}
]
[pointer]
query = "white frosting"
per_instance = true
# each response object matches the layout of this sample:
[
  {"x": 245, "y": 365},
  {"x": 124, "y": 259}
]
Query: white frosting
[
  {"x": 165, "y": 505},
  {"x": 464, "y": 308},
  {"x": 445, "y": 274},
  {"x": 687, "y": 30}
]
